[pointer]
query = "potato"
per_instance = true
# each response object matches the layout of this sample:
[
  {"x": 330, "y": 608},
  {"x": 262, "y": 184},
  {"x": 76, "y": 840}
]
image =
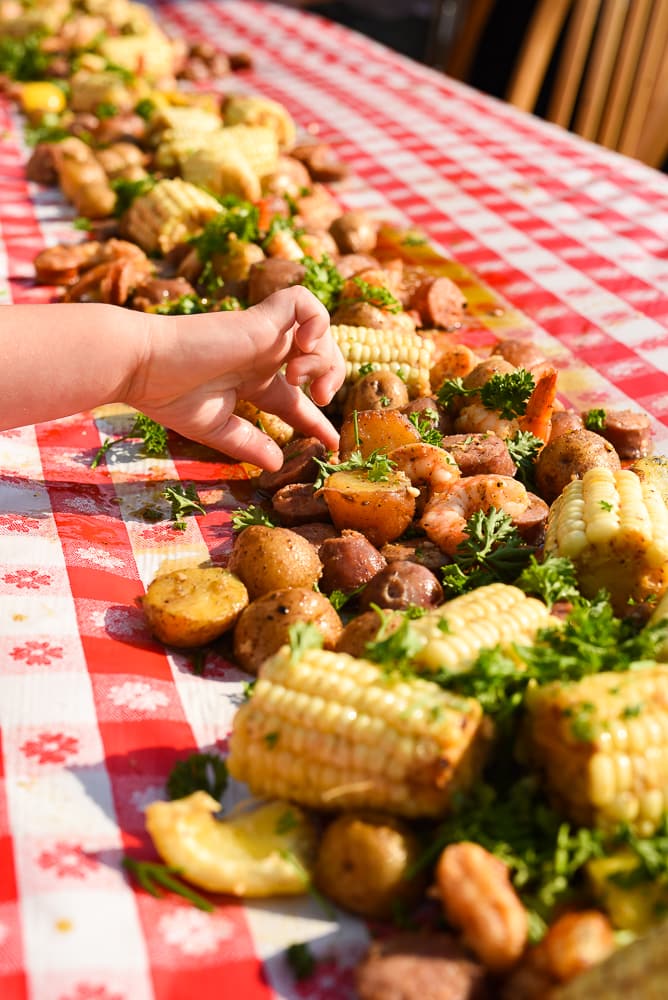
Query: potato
[
  {"x": 194, "y": 605},
  {"x": 375, "y": 430},
  {"x": 363, "y": 862},
  {"x": 265, "y": 624},
  {"x": 380, "y": 390},
  {"x": 273, "y": 559},
  {"x": 568, "y": 457},
  {"x": 380, "y": 510}
]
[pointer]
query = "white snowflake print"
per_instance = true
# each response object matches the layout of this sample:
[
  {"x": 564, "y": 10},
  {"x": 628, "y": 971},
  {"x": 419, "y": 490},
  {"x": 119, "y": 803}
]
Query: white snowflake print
[
  {"x": 99, "y": 558},
  {"x": 138, "y": 696},
  {"x": 194, "y": 932}
]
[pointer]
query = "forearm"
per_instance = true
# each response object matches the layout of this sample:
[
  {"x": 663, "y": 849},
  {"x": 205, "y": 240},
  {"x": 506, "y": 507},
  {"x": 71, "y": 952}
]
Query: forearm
[{"x": 60, "y": 359}]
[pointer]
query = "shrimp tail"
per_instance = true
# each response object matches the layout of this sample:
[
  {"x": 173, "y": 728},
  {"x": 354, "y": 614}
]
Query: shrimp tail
[{"x": 540, "y": 407}]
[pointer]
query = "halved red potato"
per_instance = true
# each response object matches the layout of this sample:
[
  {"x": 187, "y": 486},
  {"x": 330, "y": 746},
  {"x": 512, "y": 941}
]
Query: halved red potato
[
  {"x": 375, "y": 430},
  {"x": 380, "y": 510}
]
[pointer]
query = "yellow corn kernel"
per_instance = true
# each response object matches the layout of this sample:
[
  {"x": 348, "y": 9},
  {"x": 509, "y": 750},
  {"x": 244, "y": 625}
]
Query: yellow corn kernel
[
  {"x": 614, "y": 526},
  {"x": 458, "y": 631},
  {"x": 602, "y": 743},
  {"x": 169, "y": 213},
  {"x": 330, "y": 731},
  {"x": 42, "y": 98},
  {"x": 242, "y": 109},
  {"x": 398, "y": 349}
]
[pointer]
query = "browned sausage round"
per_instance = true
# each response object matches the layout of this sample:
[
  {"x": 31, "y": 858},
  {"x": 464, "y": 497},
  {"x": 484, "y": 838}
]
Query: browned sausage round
[
  {"x": 400, "y": 585},
  {"x": 480, "y": 454},
  {"x": 321, "y": 162},
  {"x": 316, "y": 533},
  {"x": 532, "y": 521},
  {"x": 297, "y": 503},
  {"x": 352, "y": 263},
  {"x": 418, "y": 550},
  {"x": 348, "y": 562},
  {"x": 156, "y": 291},
  {"x": 520, "y": 353},
  {"x": 629, "y": 433},
  {"x": 299, "y": 464},
  {"x": 354, "y": 232},
  {"x": 268, "y": 276},
  {"x": 416, "y": 965},
  {"x": 439, "y": 301},
  {"x": 564, "y": 421}
]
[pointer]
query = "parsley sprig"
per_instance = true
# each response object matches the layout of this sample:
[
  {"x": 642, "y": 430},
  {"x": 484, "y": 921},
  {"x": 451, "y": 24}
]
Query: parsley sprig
[
  {"x": 426, "y": 424},
  {"x": 154, "y": 877},
  {"x": 184, "y": 500},
  {"x": 554, "y": 579},
  {"x": 200, "y": 771},
  {"x": 303, "y": 636},
  {"x": 375, "y": 295},
  {"x": 507, "y": 394},
  {"x": 492, "y": 551},
  {"x": 523, "y": 448},
  {"x": 594, "y": 420},
  {"x": 244, "y": 517},
  {"x": 323, "y": 279},
  {"x": 152, "y": 434}
]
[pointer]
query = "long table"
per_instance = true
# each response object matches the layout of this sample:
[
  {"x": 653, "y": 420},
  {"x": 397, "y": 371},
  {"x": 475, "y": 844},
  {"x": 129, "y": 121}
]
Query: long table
[{"x": 551, "y": 238}]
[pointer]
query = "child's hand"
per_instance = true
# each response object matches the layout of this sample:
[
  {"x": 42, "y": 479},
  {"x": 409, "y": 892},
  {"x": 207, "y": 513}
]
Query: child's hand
[{"x": 197, "y": 367}]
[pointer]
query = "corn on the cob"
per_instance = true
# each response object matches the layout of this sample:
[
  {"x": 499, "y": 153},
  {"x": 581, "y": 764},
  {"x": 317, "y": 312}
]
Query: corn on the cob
[
  {"x": 614, "y": 527},
  {"x": 243, "y": 109},
  {"x": 90, "y": 89},
  {"x": 397, "y": 349},
  {"x": 660, "y": 614},
  {"x": 603, "y": 745},
  {"x": 168, "y": 119},
  {"x": 257, "y": 144},
  {"x": 150, "y": 53},
  {"x": 168, "y": 214},
  {"x": 228, "y": 173},
  {"x": 333, "y": 732},
  {"x": 486, "y": 617}
]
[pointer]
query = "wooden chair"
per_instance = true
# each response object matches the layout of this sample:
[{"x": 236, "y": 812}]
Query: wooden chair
[{"x": 609, "y": 66}]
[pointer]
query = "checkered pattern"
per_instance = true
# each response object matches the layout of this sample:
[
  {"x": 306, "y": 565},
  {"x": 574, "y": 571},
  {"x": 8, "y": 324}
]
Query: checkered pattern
[{"x": 548, "y": 235}]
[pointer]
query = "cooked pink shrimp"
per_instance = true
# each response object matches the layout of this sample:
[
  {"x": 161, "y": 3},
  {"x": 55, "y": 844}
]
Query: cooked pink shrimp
[
  {"x": 430, "y": 469},
  {"x": 476, "y": 418},
  {"x": 445, "y": 516}
]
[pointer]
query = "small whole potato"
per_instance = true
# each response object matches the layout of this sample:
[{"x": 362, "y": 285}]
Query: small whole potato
[
  {"x": 363, "y": 863},
  {"x": 568, "y": 457},
  {"x": 194, "y": 605},
  {"x": 402, "y": 584},
  {"x": 264, "y": 626},
  {"x": 267, "y": 559},
  {"x": 379, "y": 390}
]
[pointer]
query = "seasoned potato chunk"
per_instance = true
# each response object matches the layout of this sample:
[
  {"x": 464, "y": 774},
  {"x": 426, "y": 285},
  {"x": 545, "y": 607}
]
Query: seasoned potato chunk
[{"x": 193, "y": 606}]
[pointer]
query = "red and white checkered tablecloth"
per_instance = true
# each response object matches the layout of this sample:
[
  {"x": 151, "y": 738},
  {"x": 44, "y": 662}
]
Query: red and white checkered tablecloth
[{"x": 550, "y": 236}]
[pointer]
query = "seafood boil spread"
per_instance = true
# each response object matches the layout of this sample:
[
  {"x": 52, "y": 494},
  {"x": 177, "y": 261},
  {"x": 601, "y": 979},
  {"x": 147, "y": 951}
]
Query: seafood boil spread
[{"x": 454, "y": 630}]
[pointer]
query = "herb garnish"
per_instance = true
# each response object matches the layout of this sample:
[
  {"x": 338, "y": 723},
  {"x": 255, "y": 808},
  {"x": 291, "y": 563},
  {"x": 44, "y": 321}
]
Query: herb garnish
[
  {"x": 200, "y": 771},
  {"x": 126, "y": 191},
  {"x": 377, "y": 466},
  {"x": 425, "y": 423},
  {"x": 323, "y": 279},
  {"x": 492, "y": 551},
  {"x": 507, "y": 394},
  {"x": 301, "y": 961},
  {"x": 594, "y": 420},
  {"x": 554, "y": 579},
  {"x": 153, "y": 876},
  {"x": 184, "y": 500},
  {"x": 375, "y": 295},
  {"x": 396, "y": 649},
  {"x": 303, "y": 636},
  {"x": 245, "y": 517},
  {"x": 523, "y": 448},
  {"x": 49, "y": 129},
  {"x": 153, "y": 436},
  {"x": 23, "y": 58},
  {"x": 185, "y": 305}
]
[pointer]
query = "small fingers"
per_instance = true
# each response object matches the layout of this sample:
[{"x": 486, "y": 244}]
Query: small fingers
[
  {"x": 293, "y": 406},
  {"x": 248, "y": 444},
  {"x": 325, "y": 379}
]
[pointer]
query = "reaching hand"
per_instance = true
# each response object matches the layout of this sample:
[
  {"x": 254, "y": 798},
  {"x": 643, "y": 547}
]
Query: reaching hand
[{"x": 197, "y": 367}]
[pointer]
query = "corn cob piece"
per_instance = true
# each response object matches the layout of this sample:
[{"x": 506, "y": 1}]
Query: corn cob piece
[
  {"x": 168, "y": 119},
  {"x": 496, "y": 614},
  {"x": 90, "y": 89},
  {"x": 330, "y": 731},
  {"x": 229, "y": 173},
  {"x": 243, "y": 109},
  {"x": 397, "y": 349},
  {"x": 614, "y": 526},
  {"x": 168, "y": 214},
  {"x": 257, "y": 144},
  {"x": 603, "y": 745},
  {"x": 150, "y": 53}
]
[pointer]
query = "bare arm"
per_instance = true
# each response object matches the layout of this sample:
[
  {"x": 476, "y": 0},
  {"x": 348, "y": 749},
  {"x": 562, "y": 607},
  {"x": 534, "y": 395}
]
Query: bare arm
[{"x": 186, "y": 372}]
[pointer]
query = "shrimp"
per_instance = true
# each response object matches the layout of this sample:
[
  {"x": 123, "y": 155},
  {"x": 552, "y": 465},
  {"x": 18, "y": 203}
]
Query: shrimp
[
  {"x": 478, "y": 897},
  {"x": 445, "y": 515},
  {"x": 474, "y": 418},
  {"x": 451, "y": 360},
  {"x": 573, "y": 943},
  {"x": 430, "y": 469}
]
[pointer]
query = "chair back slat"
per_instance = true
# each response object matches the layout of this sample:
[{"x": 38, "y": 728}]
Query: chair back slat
[
  {"x": 646, "y": 80},
  {"x": 635, "y": 33},
  {"x": 536, "y": 51},
  {"x": 600, "y": 68},
  {"x": 573, "y": 60}
]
